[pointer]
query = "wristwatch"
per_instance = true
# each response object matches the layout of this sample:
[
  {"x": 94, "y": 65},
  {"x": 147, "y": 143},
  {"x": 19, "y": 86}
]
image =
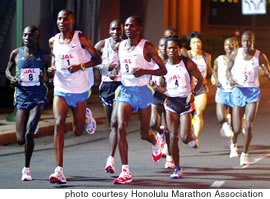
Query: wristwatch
[
  {"x": 193, "y": 92},
  {"x": 82, "y": 66}
]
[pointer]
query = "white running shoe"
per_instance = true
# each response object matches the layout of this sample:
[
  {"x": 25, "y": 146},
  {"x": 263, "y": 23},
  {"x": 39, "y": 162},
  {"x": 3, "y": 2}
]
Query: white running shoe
[
  {"x": 194, "y": 142},
  {"x": 90, "y": 122},
  {"x": 58, "y": 176},
  {"x": 26, "y": 174},
  {"x": 109, "y": 168},
  {"x": 234, "y": 151},
  {"x": 161, "y": 138},
  {"x": 177, "y": 173},
  {"x": 165, "y": 150},
  {"x": 156, "y": 151},
  {"x": 226, "y": 130},
  {"x": 244, "y": 159},
  {"x": 124, "y": 178},
  {"x": 169, "y": 164}
]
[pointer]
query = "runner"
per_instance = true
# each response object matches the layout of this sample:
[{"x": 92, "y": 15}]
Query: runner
[
  {"x": 136, "y": 55},
  {"x": 31, "y": 64},
  {"x": 180, "y": 94},
  {"x": 223, "y": 96},
  {"x": 71, "y": 86},
  {"x": 203, "y": 61},
  {"x": 243, "y": 68},
  {"x": 109, "y": 50}
]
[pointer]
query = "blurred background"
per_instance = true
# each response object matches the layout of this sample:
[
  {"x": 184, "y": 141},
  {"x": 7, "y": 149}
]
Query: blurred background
[{"x": 215, "y": 19}]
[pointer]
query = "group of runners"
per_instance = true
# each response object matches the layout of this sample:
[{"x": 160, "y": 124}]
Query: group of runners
[{"x": 166, "y": 86}]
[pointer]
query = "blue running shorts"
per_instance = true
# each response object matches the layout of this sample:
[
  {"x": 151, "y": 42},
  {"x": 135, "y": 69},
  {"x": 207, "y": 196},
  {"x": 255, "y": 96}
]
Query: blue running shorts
[
  {"x": 223, "y": 97},
  {"x": 242, "y": 96},
  {"x": 72, "y": 98},
  {"x": 139, "y": 97}
]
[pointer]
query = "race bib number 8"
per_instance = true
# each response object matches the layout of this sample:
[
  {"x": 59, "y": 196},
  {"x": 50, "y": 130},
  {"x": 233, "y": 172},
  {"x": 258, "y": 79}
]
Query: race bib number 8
[{"x": 30, "y": 76}]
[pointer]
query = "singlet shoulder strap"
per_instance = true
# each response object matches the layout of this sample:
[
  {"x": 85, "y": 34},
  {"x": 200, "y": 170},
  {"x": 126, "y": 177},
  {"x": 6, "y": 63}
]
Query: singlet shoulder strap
[{"x": 185, "y": 60}]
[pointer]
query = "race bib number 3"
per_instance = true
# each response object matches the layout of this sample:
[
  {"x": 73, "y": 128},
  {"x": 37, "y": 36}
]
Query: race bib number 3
[{"x": 30, "y": 76}]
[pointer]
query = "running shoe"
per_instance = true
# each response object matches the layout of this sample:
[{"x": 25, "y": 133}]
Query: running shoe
[
  {"x": 109, "y": 168},
  {"x": 58, "y": 176},
  {"x": 156, "y": 151},
  {"x": 234, "y": 151},
  {"x": 226, "y": 130},
  {"x": 161, "y": 138},
  {"x": 26, "y": 174},
  {"x": 90, "y": 122},
  {"x": 124, "y": 178},
  {"x": 244, "y": 159},
  {"x": 169, "y": 164},
  {"x": 177, "y": 173},
  {"x": 165, "y": 150},
  {"x": 193, "y": 142}
]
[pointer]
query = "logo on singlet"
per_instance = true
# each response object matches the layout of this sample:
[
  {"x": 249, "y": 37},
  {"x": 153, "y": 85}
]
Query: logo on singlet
[{"x": 66, "y": 56}]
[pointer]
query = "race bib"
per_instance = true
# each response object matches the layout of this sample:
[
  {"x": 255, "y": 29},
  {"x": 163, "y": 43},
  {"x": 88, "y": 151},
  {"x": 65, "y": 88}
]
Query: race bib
[
  {"x": 30, "y": 77},
  {"x": 177, "y": 82}
]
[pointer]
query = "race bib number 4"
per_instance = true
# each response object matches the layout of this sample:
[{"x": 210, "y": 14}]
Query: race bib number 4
[{"x": 30, "y": 76}]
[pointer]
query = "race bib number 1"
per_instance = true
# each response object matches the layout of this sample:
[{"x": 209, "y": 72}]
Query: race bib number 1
[{"x": 30, "y": 76}]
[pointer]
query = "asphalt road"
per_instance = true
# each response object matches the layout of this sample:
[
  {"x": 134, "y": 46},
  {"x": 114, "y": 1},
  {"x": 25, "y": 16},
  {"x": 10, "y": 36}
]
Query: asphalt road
[{"x": 208, "y": 167}]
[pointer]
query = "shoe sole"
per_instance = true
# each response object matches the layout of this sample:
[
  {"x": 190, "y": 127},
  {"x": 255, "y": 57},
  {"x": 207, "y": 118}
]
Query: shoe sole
[
  {"x": 176, "y": 177},
  {"x": 25, "y": 180},
  {"x": 126, "y": 182},
  {"x": 56, "y": 181},
  {"x": 169, "y": 167}
]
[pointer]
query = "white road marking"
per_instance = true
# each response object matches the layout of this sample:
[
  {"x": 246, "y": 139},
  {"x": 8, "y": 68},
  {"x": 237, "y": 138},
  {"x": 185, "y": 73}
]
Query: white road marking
[{"x": 217, "y": 184}]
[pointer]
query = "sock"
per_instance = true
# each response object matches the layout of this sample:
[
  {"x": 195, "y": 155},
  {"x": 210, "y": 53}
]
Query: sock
[{"x": 125, "y": 168}]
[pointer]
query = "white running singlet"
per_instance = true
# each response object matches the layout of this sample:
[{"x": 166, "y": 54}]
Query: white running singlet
[
  {"x": 109, "y": 55},
  {"x": 245, "y": 72},
  {"x": 131, "y": 61},
  {"x": 222, "y": 74},
  {"x": 178, "y": 82},
  {"x": 66, "y": 55}
]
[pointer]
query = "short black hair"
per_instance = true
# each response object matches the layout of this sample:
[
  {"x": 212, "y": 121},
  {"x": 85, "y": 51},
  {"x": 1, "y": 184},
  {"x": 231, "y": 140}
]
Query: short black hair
[
  {"x": 193, "y": 35},
  {"x": 175, "y": 39},
  {"x": 34, "y": 29},
  {"x": 138, "y": 20}
]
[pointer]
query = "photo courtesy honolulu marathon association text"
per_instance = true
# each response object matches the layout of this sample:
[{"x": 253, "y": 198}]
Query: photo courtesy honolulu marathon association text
[{"x": 166, "y": 193}]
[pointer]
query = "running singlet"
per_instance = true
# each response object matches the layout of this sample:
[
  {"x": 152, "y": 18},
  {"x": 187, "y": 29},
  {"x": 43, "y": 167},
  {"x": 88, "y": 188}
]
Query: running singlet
[
  {"x": 30, "y": 90},
  {"x": 245, "y": 72},
  {"x": 109, "y": 55},
  {"x": 178, "y": 80},
  {"x": 66, "y": 55},
  {"x": 130, "y": 61},
  {"x": 222, "y": 76},
  {"x": 201, "y": 64}
]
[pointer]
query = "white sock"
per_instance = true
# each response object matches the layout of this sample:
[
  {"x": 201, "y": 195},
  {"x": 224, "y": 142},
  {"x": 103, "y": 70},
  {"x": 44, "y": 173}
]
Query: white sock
[
  {"x": 125, "y": 168},
  {"x": 169, "y": 158}
]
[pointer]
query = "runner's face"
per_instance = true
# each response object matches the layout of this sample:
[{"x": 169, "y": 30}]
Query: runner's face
[
  {"x": 161, "y": 46},
  {"x": 172, "y": 49},
  {"x": 65, "y": 21},
  {"x": 229, "y": 46},
  {"x": 132, "y": 29},
  {"x": 116, "y": 31},
  {"x": 195, "y": 44},
  {"x": 247, "y": 42},
  {"x": 29, "y": 37}
]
